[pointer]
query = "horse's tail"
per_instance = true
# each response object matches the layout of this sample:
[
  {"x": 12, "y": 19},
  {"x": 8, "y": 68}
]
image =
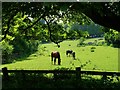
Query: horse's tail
[{"x": 59, "y": 59}]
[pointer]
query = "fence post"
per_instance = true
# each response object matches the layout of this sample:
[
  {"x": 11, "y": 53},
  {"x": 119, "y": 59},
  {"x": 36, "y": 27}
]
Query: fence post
[
  {"x": 78, "y": 73},
  {"x": 23, "y": 75},
  {"x": 104, "y": 76},
  {"x": 5, "y": 73},
  {"x": 55, "y": 75},
  {"x": 78, "y": 77}
]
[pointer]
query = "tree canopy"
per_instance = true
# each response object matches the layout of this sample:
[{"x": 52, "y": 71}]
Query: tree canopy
[
  {"x": 106, "y": 14},
  {"x": 25, "y": 24}
]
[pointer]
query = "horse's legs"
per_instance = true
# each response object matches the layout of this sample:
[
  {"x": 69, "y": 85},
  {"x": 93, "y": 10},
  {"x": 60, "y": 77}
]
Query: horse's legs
[
  {"x": 68, "y": 54},
  {"x": 51, "y": 59},
  {"x": 59, "y": 61},
  {"x": 73, "y": 54},
  {"x": 54, "y": 61}
]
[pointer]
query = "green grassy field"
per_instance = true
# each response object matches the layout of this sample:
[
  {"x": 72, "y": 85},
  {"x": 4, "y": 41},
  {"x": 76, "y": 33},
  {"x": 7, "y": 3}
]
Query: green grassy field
[{"x": 104, "y": 58}]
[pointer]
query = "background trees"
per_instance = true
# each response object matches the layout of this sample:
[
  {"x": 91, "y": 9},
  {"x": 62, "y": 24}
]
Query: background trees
[{"x": 106, "y": 14}]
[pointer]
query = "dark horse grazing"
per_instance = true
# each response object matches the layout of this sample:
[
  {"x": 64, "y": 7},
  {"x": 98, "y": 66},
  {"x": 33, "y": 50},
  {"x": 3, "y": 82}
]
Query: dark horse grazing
[
  {"x": 70, "y": 52},
  {"x": 55, "y": 54},
  {"x": 73, "y": 54}
]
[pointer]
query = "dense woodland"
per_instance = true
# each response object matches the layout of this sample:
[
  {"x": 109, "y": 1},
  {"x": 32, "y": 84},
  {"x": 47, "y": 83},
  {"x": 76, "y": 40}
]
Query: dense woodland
[{"x": 25, "y": 25}]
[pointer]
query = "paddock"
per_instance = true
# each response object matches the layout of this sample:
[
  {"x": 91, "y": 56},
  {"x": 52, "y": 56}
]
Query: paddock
[{"x": 101, "y": 59}]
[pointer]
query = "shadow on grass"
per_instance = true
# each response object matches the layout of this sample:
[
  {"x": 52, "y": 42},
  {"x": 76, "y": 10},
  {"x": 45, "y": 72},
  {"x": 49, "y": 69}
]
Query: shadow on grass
[{"x": 19, "y": 57}]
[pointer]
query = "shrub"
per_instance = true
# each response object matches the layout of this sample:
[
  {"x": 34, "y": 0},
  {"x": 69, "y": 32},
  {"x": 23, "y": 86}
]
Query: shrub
[
  {"x": 24, "y": 47},
  {"x": 81, "y": 40},
  {"x": 92, "y": 50},
  {"x": 112, "y": 37},
  {"x": 93, "y": 47},
  {"x": 101, "y": 43},
  {"x": 7, "y": 50},
  {"x": 95, "y": 42},
  {"x": 17, "y": 48},
  {"x": 90, "y": 43}
]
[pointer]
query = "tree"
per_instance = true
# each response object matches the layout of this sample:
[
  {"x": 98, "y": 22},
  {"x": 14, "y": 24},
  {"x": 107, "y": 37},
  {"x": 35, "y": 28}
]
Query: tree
[
  {"x": 22, "y": 27},
  {"x": 106, "y": 14}
]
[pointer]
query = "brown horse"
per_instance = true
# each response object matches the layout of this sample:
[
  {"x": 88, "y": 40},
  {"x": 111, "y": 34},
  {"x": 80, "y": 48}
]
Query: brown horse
[{"x": 55, "y": 54}]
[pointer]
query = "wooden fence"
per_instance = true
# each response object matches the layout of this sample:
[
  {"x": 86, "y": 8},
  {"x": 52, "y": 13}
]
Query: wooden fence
[{"x": 77, "y": 72}]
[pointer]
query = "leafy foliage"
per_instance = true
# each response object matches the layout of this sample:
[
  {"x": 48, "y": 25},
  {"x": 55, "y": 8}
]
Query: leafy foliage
[
  {"x": 112, "y": 37},
  {"x": 81, "y": 40},
  {"x": 7, "y": 50},
  {"x": 16, "y": 44}
]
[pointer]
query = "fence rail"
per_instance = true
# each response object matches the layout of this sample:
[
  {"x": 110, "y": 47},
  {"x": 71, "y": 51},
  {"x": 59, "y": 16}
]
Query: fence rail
[
  {"x": 78, "y": 72},
  {"x": 64, "y": 71}
]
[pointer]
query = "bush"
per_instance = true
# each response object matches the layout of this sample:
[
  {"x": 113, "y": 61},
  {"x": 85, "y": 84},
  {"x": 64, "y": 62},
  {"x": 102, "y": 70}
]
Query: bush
[
  {"x": 81, "y": 40},
  {"x": 100, "y": 43},
  {"x": 105, "y": 44},
  {"x": 112, "y": 37},
  {"x": 24, "y": 47},
  {"x": 92, "y": 50},
  {"x": 17, "y": 48},
  {"x": 95, "y": 42},
  {"x": 90, "y": 43},
  {"x": 7, "y": 50},
  {"x": 93, "y": 47}
]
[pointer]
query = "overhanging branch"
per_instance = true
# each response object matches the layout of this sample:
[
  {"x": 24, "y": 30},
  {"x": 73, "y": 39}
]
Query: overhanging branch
[
  {"x": 50, "y": 33},
  {"x": 30, "y": 26}
]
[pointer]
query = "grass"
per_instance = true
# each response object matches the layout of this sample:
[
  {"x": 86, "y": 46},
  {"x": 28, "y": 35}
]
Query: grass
[{"x": 103, "y": 58}]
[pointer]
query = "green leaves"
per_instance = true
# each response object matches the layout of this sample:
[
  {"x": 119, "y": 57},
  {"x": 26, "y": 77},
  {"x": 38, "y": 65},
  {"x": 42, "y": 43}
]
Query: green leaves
[{"x": 112, "y": 37}]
